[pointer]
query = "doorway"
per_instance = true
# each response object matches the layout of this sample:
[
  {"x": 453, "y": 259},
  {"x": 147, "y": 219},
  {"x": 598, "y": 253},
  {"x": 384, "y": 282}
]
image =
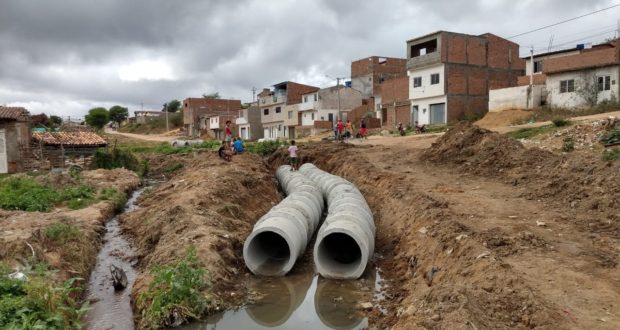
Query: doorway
[{"x": 438, "y": 113}]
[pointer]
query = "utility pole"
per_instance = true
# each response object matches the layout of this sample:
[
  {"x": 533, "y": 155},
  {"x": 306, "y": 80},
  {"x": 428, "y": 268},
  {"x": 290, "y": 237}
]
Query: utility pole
[
  {"x": 253, "y": 94},
  {"x": 166, "y": 110},
  {"x": 531, "y": 94},
  {"x": 338, "y": 89}
]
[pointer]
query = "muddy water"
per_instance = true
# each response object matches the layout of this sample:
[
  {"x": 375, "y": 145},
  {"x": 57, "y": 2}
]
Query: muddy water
[
  {"x": 111, "y": 309},
  {"x": 302, "y": 302}
]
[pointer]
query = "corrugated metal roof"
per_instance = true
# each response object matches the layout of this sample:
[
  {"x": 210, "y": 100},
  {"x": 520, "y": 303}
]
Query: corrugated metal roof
[
  {"x": 69, "y": 138},
  {"x": 13, "y": 113}
]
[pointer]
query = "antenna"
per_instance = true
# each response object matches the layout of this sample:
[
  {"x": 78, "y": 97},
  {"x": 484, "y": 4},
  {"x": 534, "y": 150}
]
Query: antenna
[{"x": 550, "y": 43}]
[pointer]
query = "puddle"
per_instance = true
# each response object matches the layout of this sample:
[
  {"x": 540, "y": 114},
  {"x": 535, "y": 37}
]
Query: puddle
[
  {"x": 301, "y": 302},
  {"x": 111, "y": 309}
]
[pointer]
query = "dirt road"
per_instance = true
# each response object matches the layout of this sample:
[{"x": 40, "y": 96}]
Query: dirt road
[{"x": 145, "y": 137}]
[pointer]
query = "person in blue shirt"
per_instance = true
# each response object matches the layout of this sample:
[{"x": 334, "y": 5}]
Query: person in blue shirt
[{"x": 238, "y": 145}]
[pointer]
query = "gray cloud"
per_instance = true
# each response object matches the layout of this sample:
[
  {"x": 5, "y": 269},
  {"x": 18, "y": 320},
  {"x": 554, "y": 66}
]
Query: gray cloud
[{"x": 66, "y": 56}]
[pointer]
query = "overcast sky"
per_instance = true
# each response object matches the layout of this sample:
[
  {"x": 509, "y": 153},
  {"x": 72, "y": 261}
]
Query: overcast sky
[{"x": 64, "y": 57}]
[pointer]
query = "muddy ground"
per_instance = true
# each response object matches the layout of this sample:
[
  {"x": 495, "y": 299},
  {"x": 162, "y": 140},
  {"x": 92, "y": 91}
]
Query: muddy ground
[
  {"x": 476, "y": 231},
  {"x": 21, "y": 235}
]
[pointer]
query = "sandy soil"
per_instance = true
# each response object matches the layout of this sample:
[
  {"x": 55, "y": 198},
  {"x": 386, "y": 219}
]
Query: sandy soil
[
  {"x": 211, "y": 204},
  {"x": 19, "y": 229}
]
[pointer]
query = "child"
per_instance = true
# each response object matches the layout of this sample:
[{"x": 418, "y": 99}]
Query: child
[
  {"x": 238, "y": 145},
  {"x": 224, "y": 152},
  {"x": 293, "y": 152}
]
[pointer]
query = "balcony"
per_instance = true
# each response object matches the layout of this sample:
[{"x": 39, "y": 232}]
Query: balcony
[{"x": 425, "y": 60}]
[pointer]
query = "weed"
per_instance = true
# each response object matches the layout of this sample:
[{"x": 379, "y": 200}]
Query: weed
[
  {"x": 264, "y": 148},
  {"x": 612, "y": 136},
  {"x": 117, "y": 198},
  {"x": 611, "y": 154},
  {"x": 78, "y": 197},
  {"x": 116, "y": 158},
  {"x": 528, "y": 133},
  {"x": 61, "y": 232},
  {"x": 23, "y": 193},
  {"x": 173, "y": 168},
  {"x": 569, "y": 144},
  {"x": 560, "y": 122},
  {"x": 175, "y": 293}
]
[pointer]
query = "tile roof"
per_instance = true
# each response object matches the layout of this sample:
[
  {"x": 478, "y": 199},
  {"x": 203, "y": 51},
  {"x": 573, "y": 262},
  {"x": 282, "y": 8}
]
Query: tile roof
[
  {"x": 69, "y": 138},
  {"x": 13, "y": 113}
]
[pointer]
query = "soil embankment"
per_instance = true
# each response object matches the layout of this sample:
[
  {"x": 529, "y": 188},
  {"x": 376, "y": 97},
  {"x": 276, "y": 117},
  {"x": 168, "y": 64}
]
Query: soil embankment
[{"x": 210, "y": 204}]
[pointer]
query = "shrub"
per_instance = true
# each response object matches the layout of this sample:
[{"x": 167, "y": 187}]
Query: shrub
[
  {"x": 78, "y": 197},
  {"x": 22, "y": 193},
  {"x": 61, "y": 232},
  {"x": 611, "y": 154},
  {"x": 264, "y": 148},
  {"x": 175, "y": 292},
  {"x": 117, "y": 158},
  {"x": 569, "y": 144},
  {"x": 117, "y": 198},
  {"x": 560, "y": 122}
]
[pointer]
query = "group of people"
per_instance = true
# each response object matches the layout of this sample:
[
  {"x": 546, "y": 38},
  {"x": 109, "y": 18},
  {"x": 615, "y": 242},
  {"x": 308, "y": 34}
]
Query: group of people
[
  {"x": 230, "y": 146},
  {"x": 418, "y": 128},
  {"x": 343, "y": 131}
]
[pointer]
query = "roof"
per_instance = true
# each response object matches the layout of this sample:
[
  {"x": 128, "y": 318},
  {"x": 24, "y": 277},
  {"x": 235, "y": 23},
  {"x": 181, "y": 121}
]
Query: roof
[
  {"x": 87, "y": 139},
  {"x": 13, "y": 113}
]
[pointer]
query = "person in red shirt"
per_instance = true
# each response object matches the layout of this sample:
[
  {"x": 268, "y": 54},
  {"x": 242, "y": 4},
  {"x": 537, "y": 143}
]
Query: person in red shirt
[
  {"x": 340, "y": 128},
  {"x": 228, "y": 132}
]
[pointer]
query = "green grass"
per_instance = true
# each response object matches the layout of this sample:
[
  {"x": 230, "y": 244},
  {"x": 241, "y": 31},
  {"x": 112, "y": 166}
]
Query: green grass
[
  {"x": 39, "y": 303},
  {"x": 264, "y": 148},
  {"x": 116, "y": 197},
  {"x": 548, "y": 114},
  {"x": 611, "y": 155},
  {"x": 173, "y": 168},
  {"x": 175, "y": 289},
  {"x": 61, "y": 232},
  {"x": 528, "y": 133}
]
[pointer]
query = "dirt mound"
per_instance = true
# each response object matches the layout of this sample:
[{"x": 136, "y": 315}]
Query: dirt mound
[
  {"x": 503, "y": 118},
  {"x": 210, "y": 204}
]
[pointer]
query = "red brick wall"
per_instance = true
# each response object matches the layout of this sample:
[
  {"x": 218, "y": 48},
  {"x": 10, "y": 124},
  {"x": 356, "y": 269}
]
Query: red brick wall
[
  {"x": 389, "y": 68},
  {"x": 456, "y": 79},
  {"x": 538, "y": 79},
  {"x": 396, "y": 89},
  {"x": 477, "y": 51},
  {"x": 477, "y": 81},
  {"x": 580, "y": 61},
  {"x": 462, "y": 105},
  {"x": 295, "y": 91},
  {"x": 456, "y": 47}
]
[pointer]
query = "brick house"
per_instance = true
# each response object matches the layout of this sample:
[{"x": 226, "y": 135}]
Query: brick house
[
  {"x": 272, "y": 104},
  {"x": 15, "y": 125},
  {"x": 194, "y": 108},
  {"x": 395, "y": 103},
  {"x": 450, "y": 74}
]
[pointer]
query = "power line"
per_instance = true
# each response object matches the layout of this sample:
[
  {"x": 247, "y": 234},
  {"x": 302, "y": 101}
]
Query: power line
[{"x": 564, "y": 21}]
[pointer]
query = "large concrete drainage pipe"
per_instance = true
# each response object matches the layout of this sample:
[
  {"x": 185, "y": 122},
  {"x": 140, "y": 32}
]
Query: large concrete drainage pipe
[
  {"x": 346, "y": 240},
  {"x": 281, "y": 235}
]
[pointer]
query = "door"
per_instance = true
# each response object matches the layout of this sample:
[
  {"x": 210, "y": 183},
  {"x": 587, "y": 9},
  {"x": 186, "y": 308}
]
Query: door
[
  {"x": 4, "y": 168},
  {"x": 438, "y": 113},
  {"x": 330, "y": 117},
  {"x": 415, "y": 116}
]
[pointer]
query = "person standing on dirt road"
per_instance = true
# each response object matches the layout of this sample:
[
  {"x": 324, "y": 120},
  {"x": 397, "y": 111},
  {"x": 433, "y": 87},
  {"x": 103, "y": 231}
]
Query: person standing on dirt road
[
  {"x": 348, "y": 129},
  {"x": 340, "y": 128},
  {"x": 363, "y": 129},
  {"x": 227, "y": 132},
  {"x": 293, "y": 156}
]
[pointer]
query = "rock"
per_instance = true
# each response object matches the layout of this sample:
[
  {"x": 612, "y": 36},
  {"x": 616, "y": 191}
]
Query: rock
[
  {"x": 435, "y": 317},
  {"x": 366, "y": 305},
  {"x": 540, "y": 223},
  {"x": 484, "y": 254},
  {"x": 460, "y": 237},
  {"x": 423, "y": 230}
]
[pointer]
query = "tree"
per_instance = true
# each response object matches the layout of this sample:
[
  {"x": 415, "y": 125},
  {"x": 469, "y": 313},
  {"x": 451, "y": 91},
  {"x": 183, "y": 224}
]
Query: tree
[
  {"x": 54, "y": 121},
  {"x": 118, "y": 114},
  {"x": 97, "y": 117},
  {"x": 212, "y": 96},
  {"x": 172, "y": 106}
]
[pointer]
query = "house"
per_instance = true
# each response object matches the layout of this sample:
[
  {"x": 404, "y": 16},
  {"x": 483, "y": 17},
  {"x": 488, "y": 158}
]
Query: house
[
  {"x": 450, "y": 74},
  {"x": 50, "y": 150},
  {"x": 395, "y": 102},
  {"x": 144, "y": 116},
  {"x": 249, "y": 122},
  {"x": 272, "y": 103},
  {"x": 194, "y": 108},
  {"x": 325, "y": 105},
  {"x": 14, "y": 138},
  {"x": 581, "y": 76},
  {"x": 368, "y": 75},
  {"x": 214, "y": 125}
]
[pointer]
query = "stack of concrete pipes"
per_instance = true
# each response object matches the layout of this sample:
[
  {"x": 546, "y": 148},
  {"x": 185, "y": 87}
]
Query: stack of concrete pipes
[
  {"x": 281, "y": 235},
  {"x": 345, "y": 241}
]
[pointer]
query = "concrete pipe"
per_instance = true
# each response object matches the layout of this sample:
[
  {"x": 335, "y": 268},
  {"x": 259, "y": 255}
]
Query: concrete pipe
[
  {"x": 346, "y": 240},
  {"x": 281, "y": 236}
]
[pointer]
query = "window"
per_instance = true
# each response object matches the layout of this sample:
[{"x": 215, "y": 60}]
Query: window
[
  {"x": 567, "y": 86},
  {"x": 266, "y": 112},
  {"x": 417, "y": 82},
  {"x": 305, "y": 98},
  {"x": 290, "y": 115},
  {"x": 604, "y": 83},
  {"x": 279, "y": 127},
  {"x": 278, "y": 109},
  {"x": 312, "y": 116},
  {"x": 435, "y": 79},
  {"x": 315, "y": 97},
  {"x": 538, "y": 66}
]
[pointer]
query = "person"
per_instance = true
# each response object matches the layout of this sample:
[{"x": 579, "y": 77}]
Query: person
[
  {"x": 419, "y": 128},
  {"x": 293, "y": 156},
  {"x": 224, "y": 152},
  {"x": 340, "y": 128},
  {"x": 401, "y": 129},
  {"x": 227, "y": 132},
  {"x": 363, "y": 129},
  {"x": 349, "y": 129},
  {"x": 238, "y": 145}
]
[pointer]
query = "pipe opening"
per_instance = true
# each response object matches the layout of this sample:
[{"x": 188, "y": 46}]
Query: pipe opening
[
  {"x": 269, "y": 253},
  {"x": 339, "y": 253}
]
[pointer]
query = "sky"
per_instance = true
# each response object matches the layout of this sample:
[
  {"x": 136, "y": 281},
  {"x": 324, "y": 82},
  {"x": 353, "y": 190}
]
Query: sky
[{"x": 64, "y": 57}]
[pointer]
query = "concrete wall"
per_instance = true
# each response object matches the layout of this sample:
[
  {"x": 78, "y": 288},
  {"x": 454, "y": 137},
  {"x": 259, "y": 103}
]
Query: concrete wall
[
  {"x": 364, "y": 84},
  {"x": 291, "y": 113},
  {"x": 427, "y": 90},
  {"x": 574, "y": 99},
  {"x": 349, "y": 98},
  {"x": 514, "y": 98}
]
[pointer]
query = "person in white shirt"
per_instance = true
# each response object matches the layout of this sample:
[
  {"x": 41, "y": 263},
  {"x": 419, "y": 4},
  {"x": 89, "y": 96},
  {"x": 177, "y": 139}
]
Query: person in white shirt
[{"x": 293, "y": 154}]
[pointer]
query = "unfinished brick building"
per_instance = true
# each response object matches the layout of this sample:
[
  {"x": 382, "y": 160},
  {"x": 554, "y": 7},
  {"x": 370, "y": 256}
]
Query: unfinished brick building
[
  {"x": 395, "y": 103},
  {"x": 194, "y": 108},
  {"x": 369, "y": 73},
  {"x": 450, "y": 74}
]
